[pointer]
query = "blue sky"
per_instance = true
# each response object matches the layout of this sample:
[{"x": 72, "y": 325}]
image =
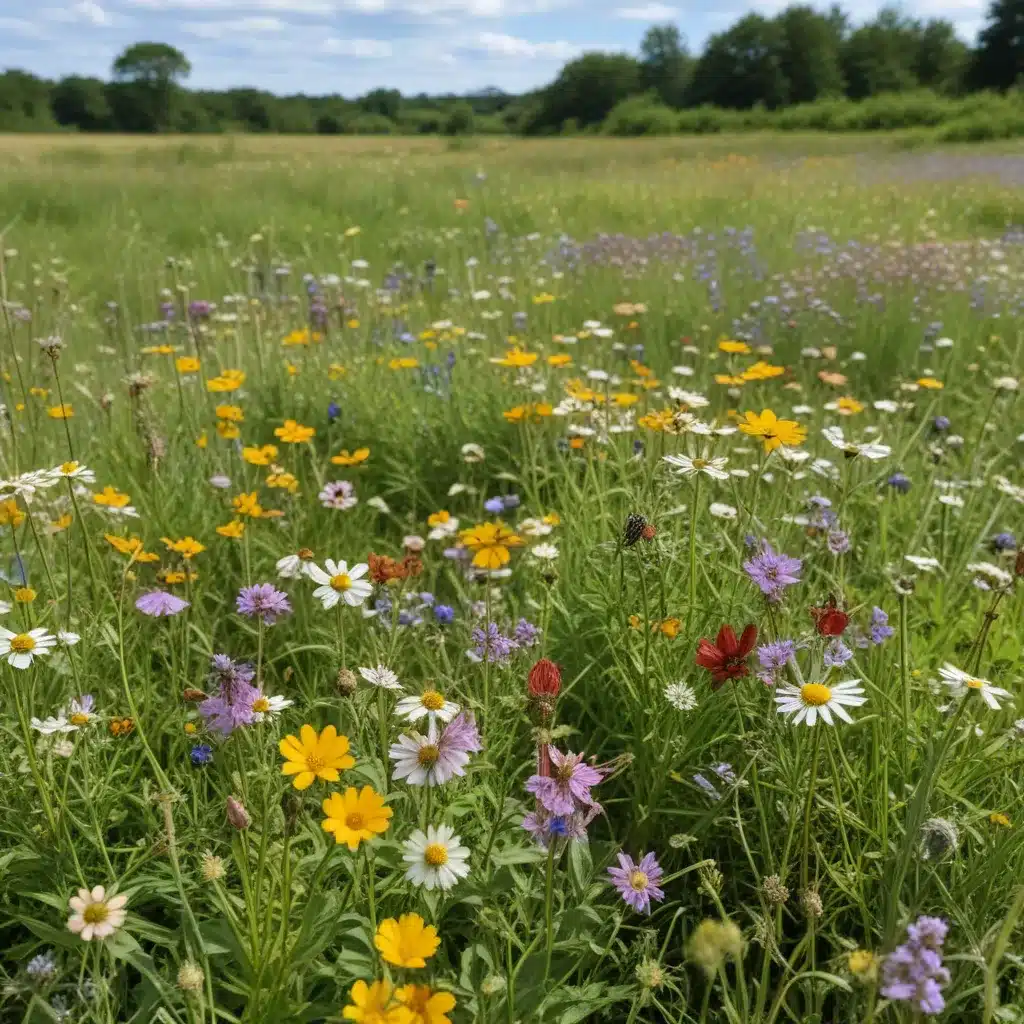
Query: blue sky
[{"x": 351, "y": 46}]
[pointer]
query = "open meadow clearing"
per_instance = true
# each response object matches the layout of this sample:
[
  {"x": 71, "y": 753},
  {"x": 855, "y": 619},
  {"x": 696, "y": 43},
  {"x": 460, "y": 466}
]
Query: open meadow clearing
[{"x": 511, "y": 581}]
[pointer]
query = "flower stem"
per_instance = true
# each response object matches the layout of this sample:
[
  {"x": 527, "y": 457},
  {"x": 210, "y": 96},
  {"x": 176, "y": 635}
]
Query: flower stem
[{"x": 549, "y": 908}]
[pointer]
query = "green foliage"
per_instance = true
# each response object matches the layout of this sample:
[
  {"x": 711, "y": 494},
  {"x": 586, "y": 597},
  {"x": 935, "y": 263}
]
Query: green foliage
[
  {"x": 586, "y": 90},
  {"x": 459, "y": 120},
  {"x": 665, "y": 64},
  {"x": 641, "y": 115},
  {"x": 998, "y": 62}
]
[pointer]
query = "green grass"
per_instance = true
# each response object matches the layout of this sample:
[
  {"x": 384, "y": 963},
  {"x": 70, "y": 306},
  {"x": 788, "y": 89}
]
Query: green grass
[{"x": 843, "y": 815}]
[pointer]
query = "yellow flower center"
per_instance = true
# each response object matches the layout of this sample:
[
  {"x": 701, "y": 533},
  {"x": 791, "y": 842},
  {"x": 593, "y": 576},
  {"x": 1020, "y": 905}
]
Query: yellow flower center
[
  {"x": 815, "y": 694},
  {"x": 432, "y": 700},
  {"x": 261, "y": 704},
  {"x": 22, "y": 643},
  {"x": 700, "y": 463},
  {"x": 971, "y": 684},
  {"x": 79, "y": 718},
  {"x": 428, "y": 754},
  {"x": 68, "y": 468},
  {"x": 563, "y": 773},
  {"x": 638, "y": 881},
  {"x": 314, "y": 763},
  {"x": 355, "y": 821},
  {"x": 341, "y": 582},
  {"x": 96, "y": 913},
  {"x": 435, "y": 855}
]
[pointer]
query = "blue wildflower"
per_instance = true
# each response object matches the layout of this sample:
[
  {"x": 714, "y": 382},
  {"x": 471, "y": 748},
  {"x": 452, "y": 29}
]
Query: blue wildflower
[{"x": 201, "y": 754}]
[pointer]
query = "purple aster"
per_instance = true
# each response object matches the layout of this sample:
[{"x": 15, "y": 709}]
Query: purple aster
[
  {"x": 837, "y": 653},
  {"x": 201, "y": 754},
  {"x": 708, "y": 787},
  {"x": 263, "y": 601},
  {"x": 773, "y": 658},
  {"x": 160, "y": 602},
  {"x": 495, "y": 506},
  {"x": 725, "y": 773},
  {"x": 638, "y": 883},
  {"x": 526, "y": 634},
  {"x": 941, "y": 423},
  {"x": 338, "y": 494},
  {"x": 1004, "y": 542},
  {"x": 773, "y": 571},
  {"x": 444, "y": 614},
  {"x": 880, "y": 628},
  {"x": 510, "y": 501},
  {"x": 461, "y": 734},
  {"x": 838, "y": 542},
  {"x": 913, "y": 972},
  {"x": 491, "y": 645},
  {"x": 899, "y": 482},
  {"x": 543, "y": 825},
  {"x": 568, "y": 787}
]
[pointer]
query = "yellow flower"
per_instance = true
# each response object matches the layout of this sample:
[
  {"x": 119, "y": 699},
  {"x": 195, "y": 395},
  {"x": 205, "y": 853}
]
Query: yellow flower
[
  {"x": 187, "y": 547},
  {"x": 201, "y": 440},
  {"x": 247, "y": 505},
  {"x": 234, "y": 529},
  {"x": 543, "y": 299},
  {"x": 60, "y": 412},
  {"x": 291, "y": 369},
  {"x": 439, "y": 518},
  {"x": 847, "y": 406},
  {"x": 553, "y": 519},
  {"x": 24, "y": 595},
  {"x": 309, "y": 756},
  {"x": 186, "y": 364},
  {"x": 660, "y": 420},
  {"x": 772, "y": 430},
  {"x": 930, "y": 383},
  {"x": 490, "y": 542},
  {"x": 355, "y": 816},
  {"x": 737, "y": 348},
  {"x": 560, "y": 359},
  {"x": 407, "y": 942},
  {"x": 515, "y": 357},
  {"x": 230, "y": 412},
  {"x": 353, "y": 323},
  {"x": 352, "y": 231},
  {"x": 10, "y": 514},
  {"x": 375, "y": 1004},
  {"x": 228, "y": 430},
  {"x": 403, "y": 363},
  {"x": 998, "y": 818},
  {"x": 624, "y": 399},
  {"x": 730, "y": 380},
  {"x": 302, "y": 336},
  {"x": 294, "y": 433},
  {"x": 634, "y": 621},
  {"x": 111, "y": 497},
  {"x": 61, "y": 522},
  {"x": 426, "y": 1005},
  {"x": 131, "y": 546},
  {"x": 336, "y": 371},
  {"x": 174, "y": 576},
  {"x": 261, "y": 456},
  {"x": 228, "y": 380},
  {"x": 286, "y": 481},
  {"x": 669, "y": 628},
  {"x": 862, "y": 964},
  {"x": 159, "y": 350},
  {"x": 762, "y": 371},
  {"x": 535, "y": 411},
  {"x": 37, "y": 392},
  {"x": 347, "y": 458}
]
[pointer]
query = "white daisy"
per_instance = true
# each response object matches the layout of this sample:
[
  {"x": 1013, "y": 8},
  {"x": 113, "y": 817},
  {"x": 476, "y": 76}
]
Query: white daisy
[
  {"x": 20, "y": 648},
  {"x": 686, "y": 466},
  {"x": 924, "y": 563},
  {"x": 722, "y": 511},
  {"x": 534, "y": 528},
  {"x": 5, "y": 607},
  {"x": 681, "y": 696},
  {"x": 52, "y": 725},
  {"x": 340, "y": 583},
  {"x": 835, "y": 437},
  {"x": 68, "y": 639},
  {"x": 1000, "y": 577},
  {"x": 96, "y": 915},
  {"x": 436, "y": 859},
  {"x": 379, "y": 504},
  {"x": 1006, "y": 384},
  {"x": 74, "y": 471},
  {"x": 444, "y": 530},
  {"x": 381, "y": 676},
  {"x": 545, "y": 552},
  {"x": 80, "y": 710},
  {"x": 952, "y": 500},
  {"x": 957, "y": 679},
  {"x": 813, "y": 700},
  {"x": 266, "y": 708},
  {"x": 430, "y": 705},
  {"x": 683, "y": 371},
  {"x": 886, "y": 405},
  {"x": 693, "y": 399},
  {"x": 292, "y": 567}
]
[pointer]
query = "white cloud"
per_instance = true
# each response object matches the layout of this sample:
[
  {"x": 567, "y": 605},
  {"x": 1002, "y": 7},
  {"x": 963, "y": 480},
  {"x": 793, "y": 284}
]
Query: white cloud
[
  {"x": 370, "y": 49},
  {"x": 649, "y": 12},
  {"x": 232, "y": 28},
  {"x": 22, "y": 27},
  {"x": 497, "y": 44}
]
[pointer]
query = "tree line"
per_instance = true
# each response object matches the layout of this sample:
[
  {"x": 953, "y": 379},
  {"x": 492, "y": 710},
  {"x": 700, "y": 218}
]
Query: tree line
[{"x": 760, "y": 65}]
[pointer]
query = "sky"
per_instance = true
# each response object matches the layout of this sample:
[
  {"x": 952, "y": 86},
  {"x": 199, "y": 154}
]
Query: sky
[{"x": 352, "y": 46}]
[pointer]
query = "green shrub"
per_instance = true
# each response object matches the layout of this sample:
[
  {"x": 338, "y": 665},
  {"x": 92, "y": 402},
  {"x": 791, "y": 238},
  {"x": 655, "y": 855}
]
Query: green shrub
[{"x": 641, "y": 115}]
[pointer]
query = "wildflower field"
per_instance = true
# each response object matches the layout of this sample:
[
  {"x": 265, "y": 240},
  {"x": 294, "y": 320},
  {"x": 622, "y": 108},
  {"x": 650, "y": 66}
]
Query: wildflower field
[{"x": 514, "y": 582}]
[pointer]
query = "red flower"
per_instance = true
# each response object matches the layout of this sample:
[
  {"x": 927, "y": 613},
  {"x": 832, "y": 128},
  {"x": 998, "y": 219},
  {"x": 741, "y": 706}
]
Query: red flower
[
  {"x": 544, "y": 680},
  {"x": 830, "y": 621},
  {"x": 726, "y": 658}
]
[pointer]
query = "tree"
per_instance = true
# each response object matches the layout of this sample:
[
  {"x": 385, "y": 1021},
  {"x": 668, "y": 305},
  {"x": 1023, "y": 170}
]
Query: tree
[
  {"x": 81, "y": 103},
  {"x": 881, "y": 55},
  {"x": 999, "y": 59},
  {"x": 586, "y": 89},
  {"x": 383, "y": 102},
  {"x": 151, "y": 72},
  {"x": 24, "y": 102},
  {"x": 742, "y": 67},
  {"x": 941, "y": 59},
  {"x": 809, "y": 56},
  {"x": 459, "y": 120},
  {"x": 665, "y": 64}
]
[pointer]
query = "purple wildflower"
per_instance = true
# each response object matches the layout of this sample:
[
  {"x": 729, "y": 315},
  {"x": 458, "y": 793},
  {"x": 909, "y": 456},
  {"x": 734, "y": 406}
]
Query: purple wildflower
[
  {"x": 338, "y": 494},
  {"x": 231, "y": 707},
  {"x": 495, "y": 506},
  {"x": 462, "y": 734},
  {"x": 568, "y": 787},
  {"x": 201, "y": 754},
  {"x": 1004, "y": 542},
  {"x": 444, "y": 614},
  {"x": 708, "y": 787},
  {"x": 638, "y": 883},
  {"x": 543, "y": 825},
  {"x": 913, "y": 972},
  {"x": 773, "y": 571},
  {"x": 491, "y": 645},
  {"x": 724, "y": 771},
  {"x": 263, "y": 601},
  {"x": 160, "y": 602},
  {"x": 880, "y": 628},
  {"x": 837, "y": 653},
  {"x": 899, "y": 482},
  {"x": 773, "y": 658},
  {"x": 510, "y": 501},
  {"x": 526, "y": 634},
  {"x": 838, "y": 542}
]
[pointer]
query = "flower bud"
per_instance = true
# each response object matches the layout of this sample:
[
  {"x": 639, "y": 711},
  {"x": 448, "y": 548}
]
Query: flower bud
[
  {"x": 544, "y": 680},
  {"x": 238, "y": 816},
  {"x": 346, "y": 682},
  {"x": 190, "y": 977}
]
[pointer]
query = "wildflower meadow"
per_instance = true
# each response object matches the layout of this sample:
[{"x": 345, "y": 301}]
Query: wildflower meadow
[{"x": 523, "y": 582}]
